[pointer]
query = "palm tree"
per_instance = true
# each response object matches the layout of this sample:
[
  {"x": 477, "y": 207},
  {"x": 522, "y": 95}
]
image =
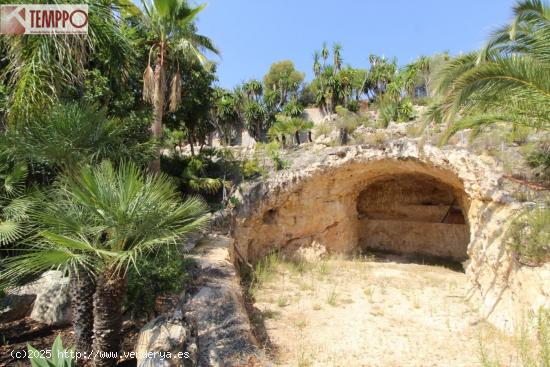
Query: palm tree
[
  {"x": 175, "y": 40},
  {"x": 337, "y": 55},
  {"x": 506, "y": 81},
  {"x": 63, "y": 138},
  {"x": 99, "y": 222},
  {"x": 316, "y": 64},
  {"x": 41, "y": 67},
  {"x": 324, "y": 53}
]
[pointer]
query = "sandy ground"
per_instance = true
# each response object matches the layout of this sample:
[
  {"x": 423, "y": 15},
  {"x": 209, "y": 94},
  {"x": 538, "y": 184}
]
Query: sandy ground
[{"x": 367, "y": 312}]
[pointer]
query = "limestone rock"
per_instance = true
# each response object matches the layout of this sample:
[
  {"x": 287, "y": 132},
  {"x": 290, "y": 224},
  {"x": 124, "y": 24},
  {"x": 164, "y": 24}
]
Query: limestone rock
[
  {"x": 448, "y": 199},
  {"x": 217, "y": 308},
  {"x": 52, "y": 304},
  {"x": 167, "y": 342}
]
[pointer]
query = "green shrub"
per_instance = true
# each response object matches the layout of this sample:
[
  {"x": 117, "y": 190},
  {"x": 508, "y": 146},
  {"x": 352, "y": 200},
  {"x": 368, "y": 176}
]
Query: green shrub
[
  {"x": 323, "y": 128},
  {"x": 518, "y": 135},
  {"x": 342, "y": 111},
  {"x": 529, "y": 236},
  {"x": 164, "y": 274},
  {"x": 400, "y": 111},
  {"x": 539, "y": 159},
  {"x": 251, "y": 168},
  {"x": 347, "y": 125},
  {"x": 57, "y": 356},
  {"x": 353, "y": 105}
]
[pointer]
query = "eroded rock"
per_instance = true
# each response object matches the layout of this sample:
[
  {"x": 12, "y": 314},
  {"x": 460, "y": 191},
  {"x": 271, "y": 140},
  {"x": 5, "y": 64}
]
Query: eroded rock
[
  {"x": 52, "y": 303},
  {"x": 167, "y": 342},
  {"x": 442, "y": 202},
  {"x": 217, "y": 308}
]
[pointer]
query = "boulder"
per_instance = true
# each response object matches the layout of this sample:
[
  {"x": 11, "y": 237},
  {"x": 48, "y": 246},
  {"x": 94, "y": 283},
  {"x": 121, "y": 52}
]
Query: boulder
[
  {"x": 167, "y": 341},
  {"x": 14, "y": 306},
  {"x": 52, "y": 304}
]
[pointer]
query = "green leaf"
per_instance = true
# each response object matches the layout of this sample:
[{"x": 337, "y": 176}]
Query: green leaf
[{"x": 165, "y": 7}]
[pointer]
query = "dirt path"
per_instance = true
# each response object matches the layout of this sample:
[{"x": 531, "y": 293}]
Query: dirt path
[{"x": 368, "y": 313}]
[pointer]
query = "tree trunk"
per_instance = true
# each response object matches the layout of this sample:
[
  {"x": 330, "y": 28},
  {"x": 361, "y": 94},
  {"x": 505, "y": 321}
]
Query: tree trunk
[
  {"x": 108, "y": 299},
  {"x": 190, "y": 141},
  {"x": 158, "y": 112},
  {"x": 297, "y": 137},
  {"x": 343, "y": 136},
  {"x": 82, "y": 306}
]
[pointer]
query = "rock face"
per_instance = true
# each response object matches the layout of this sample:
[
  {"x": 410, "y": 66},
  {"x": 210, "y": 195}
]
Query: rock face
[
  {"x": 217, "y": 309},
  {"x": 405, "y": 197},
  {"x": 50, "y": 293},
  {"x": 167, "y": 342}
]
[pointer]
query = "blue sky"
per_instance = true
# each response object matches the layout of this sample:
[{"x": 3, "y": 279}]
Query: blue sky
[{"x": 252, "y": 34}]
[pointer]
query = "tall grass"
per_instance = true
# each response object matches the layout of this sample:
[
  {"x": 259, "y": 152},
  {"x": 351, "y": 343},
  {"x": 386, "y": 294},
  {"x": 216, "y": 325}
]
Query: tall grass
[{"x": 532, "y": 347}]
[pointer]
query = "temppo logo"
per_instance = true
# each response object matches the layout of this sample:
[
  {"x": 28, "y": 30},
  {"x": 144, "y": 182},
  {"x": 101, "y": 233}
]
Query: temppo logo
[{"x": 43, "y": 19}]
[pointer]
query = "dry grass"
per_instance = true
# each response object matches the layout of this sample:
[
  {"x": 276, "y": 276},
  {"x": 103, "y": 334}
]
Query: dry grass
[{"x": 360, "y": 312}]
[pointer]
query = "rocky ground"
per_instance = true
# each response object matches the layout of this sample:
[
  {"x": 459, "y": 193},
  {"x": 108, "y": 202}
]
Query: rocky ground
[{"x": 371, "y": 312}]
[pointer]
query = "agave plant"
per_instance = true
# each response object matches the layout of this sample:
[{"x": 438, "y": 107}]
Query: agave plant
[{"x": 57, "y": 356}]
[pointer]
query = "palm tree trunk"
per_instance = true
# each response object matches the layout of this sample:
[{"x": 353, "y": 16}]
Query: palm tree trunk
[
  {"x": 82, "y": 306},
  {"x": 108, "y": 299},
  {"x": 343, "y": 136},
  {"x": 158, "y": 111}
]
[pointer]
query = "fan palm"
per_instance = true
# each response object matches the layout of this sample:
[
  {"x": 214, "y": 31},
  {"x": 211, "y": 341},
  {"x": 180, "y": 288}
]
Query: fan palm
[
  {"x": 175, "y": 40},
  {"x": 63, "y": 138},
  {"x": 99, "y": 222},
  {"x": 506, "y": 81}
]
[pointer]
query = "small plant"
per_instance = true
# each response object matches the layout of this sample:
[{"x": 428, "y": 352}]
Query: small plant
[
  {"x": 539, "y": 159},
  {"x": 265, "y": 269},
  {"x": 58, "y": 356},
  {"x": 332, "y": 297},
  {"x": 163, "y": 274},
  {"x": 518, "y": 135},
  {"x": 251, "y": 168},
  {"x": 529, "y": 236},
  {"x": 282, "y": 301},
  {"x": 323, "y": 128},
  {"x": 234, "y": 201},
  {"x": 369, "y": 293},
  {"x": 347, "y": 125},
  {"x": 324, "y": 268}
]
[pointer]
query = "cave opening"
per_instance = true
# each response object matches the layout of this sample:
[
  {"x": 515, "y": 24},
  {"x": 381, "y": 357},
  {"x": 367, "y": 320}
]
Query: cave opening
[{"x": 416, "y": 216}]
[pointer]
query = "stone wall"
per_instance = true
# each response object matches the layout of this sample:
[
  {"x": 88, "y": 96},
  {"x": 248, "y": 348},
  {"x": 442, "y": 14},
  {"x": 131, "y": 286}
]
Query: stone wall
[{"x": 317, "y": 202}]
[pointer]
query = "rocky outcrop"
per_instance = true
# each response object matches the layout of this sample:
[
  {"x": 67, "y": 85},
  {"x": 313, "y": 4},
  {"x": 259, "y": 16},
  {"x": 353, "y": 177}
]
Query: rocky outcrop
[
  {"x": 167, "y": 341},
  {"x": 317, "y": 202},
  {"x": 216, "y": 307}
]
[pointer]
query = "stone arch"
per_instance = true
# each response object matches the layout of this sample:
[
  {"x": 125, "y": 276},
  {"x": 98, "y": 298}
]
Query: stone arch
[{"x": 328, "y": 210}]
